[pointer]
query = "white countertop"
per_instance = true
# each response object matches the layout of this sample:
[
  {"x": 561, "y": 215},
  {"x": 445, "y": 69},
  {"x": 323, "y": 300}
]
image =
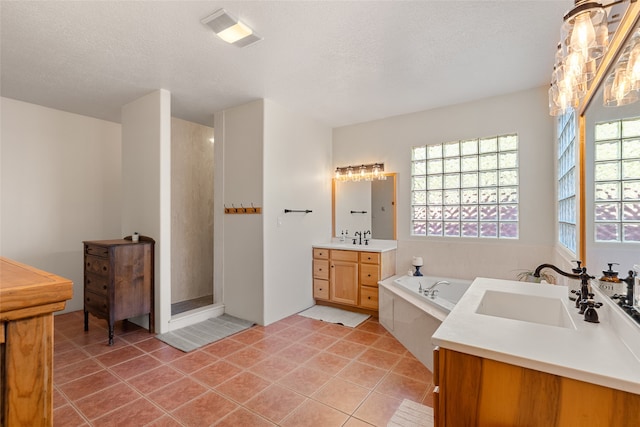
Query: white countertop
[
  {"x": 605, "y": 353},
  {"x": 374, "y": 245}
]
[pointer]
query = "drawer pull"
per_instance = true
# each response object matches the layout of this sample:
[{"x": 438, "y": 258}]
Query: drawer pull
[
  {"x": 320, "y": 289},
  {"x": 319, "y": 269},
  {"x": 88, "y": 264},
  {"x": 104, "y": 268},
  {"x": 368, "y": 258},
  {"x": 104, "y": 287},
  {"x": 368, "y": 297},
  {"x": 88, "y": 281},
  {"x": 368, "y": 275}
]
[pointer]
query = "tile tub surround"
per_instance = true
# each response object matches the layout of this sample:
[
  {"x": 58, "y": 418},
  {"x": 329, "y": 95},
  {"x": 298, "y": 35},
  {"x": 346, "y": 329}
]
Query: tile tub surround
[
  {"x": 295, "y": 372},
  {"x": 580, "y": 347}
]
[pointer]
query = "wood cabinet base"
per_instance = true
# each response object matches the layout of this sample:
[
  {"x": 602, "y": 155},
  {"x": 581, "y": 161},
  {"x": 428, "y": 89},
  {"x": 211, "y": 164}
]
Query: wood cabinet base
[{"x": 475, "y": 391}]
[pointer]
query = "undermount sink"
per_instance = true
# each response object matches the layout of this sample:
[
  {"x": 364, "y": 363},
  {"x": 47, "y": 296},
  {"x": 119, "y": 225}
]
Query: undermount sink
[{"x": 525, "y": 308}]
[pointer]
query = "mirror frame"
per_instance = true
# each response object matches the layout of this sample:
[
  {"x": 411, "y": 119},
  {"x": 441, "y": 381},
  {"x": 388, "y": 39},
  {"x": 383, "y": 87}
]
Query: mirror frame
[
  {"x": 392, "y": 175},
  {"x": 622, "y": 35}
]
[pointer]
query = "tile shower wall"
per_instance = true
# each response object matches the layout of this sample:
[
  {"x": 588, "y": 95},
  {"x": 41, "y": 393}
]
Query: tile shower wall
[{"x": 191, "y": 210}]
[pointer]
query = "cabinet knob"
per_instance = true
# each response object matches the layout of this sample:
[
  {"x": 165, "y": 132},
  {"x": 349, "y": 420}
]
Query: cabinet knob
[
  {"x": 104, "y": 287},
  {"x": 319, "y": 269},
  {"x": 368, "y": 275},
  {"x": 320, "y": 288},
  {"x": 104, "y": 268},
  {"x": 368, "y": 297}
]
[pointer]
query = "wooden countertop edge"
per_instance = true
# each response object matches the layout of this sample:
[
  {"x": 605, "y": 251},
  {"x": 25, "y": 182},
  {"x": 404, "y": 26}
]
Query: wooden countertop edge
[{"x": 51, "y": 290}]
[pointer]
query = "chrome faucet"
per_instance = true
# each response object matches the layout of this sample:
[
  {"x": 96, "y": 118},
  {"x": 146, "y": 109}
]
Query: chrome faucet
[{"x": 431, "y": 291}]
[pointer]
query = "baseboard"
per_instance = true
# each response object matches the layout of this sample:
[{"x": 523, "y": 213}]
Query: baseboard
[{"x": 197, "y": 315}]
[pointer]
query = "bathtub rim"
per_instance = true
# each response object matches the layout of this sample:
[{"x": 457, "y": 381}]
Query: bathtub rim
[{"x": 412, "y": 297}]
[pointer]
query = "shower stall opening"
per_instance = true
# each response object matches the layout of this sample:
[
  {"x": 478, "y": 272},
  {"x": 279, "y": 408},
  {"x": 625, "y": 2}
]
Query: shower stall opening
[{"x": 191, "y": 216}]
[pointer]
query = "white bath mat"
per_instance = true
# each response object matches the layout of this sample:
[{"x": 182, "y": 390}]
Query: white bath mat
[
  {"x": 334, "y": 315},
  {"x": 412, "y": 414},
  {"x": 195, "y": 336}
]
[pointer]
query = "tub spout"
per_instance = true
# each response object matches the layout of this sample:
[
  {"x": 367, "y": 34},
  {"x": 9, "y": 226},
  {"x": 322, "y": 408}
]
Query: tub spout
[{"x": 431, "y": 290}]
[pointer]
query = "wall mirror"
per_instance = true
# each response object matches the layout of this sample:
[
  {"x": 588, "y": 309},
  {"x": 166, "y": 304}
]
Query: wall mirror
[
  {"x": 627, "y": 25},
  {"x": 365, "y": 205}
]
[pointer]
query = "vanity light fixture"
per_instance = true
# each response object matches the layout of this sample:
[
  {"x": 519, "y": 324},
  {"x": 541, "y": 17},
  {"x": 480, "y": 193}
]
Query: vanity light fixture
[
  {"x": 584, "y": 41},
  {"x": 361, "y": 173},
  {"x": 230, "y": 29},
  {"x": 622, "y": 86},
  {"x": 584, "y": 38}
]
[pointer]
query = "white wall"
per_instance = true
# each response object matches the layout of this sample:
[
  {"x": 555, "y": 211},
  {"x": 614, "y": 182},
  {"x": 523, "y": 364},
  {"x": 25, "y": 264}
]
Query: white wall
[
  {"x": 60, "y": 185},
  {"x": 390, "y": 140},
  {"x": 146, "y": 187},
  {"x": 238, "y": 241},
  {"x": 297, "y": 175}
]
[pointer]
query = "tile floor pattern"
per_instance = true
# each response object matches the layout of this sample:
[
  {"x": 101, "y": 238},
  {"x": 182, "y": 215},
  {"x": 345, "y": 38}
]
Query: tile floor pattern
[{"x": 295, "y": 372}]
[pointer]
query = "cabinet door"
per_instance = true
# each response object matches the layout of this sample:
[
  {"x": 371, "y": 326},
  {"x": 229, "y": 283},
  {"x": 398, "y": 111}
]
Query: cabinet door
[{"x": 344, "y": 282}]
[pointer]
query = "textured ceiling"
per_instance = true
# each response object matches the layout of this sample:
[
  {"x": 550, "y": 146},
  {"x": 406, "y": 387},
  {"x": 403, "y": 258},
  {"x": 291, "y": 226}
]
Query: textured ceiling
[{"x": 340, "y": 62}]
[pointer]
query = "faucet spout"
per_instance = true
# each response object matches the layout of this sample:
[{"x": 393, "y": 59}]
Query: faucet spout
[
  {"x": 536, "y": 273},
  {"x": 431, "y": 290}
]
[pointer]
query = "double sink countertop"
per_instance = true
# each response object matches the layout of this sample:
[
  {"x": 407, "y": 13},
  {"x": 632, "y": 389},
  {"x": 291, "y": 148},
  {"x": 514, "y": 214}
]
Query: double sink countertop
[
  {"x": 374, "y": 245},
  {"x": 536, "y": 326}
]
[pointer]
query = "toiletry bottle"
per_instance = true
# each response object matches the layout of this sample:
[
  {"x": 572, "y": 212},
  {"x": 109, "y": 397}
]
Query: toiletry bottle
[{"x": 609, "y": 283}]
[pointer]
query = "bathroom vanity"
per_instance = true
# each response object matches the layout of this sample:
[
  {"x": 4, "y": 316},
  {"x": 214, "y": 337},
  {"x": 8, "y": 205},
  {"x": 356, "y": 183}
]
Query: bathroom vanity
[
  {"x": 347, "y": 275},
  {"x": 513, "y": 353}
]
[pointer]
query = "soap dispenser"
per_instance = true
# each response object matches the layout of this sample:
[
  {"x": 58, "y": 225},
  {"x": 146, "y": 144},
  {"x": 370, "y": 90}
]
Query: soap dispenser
[{"x": 609, "y": 283}]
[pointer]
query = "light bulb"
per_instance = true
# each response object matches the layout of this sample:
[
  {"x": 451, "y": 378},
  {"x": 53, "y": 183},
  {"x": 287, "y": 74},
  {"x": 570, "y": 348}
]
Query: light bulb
[
  {"x": 633, "y": 66},
  {"x": 583, "y": 35}
]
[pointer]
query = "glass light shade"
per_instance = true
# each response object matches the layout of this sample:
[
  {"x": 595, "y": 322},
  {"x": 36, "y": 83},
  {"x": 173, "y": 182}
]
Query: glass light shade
[
  {"x": 633, "y": 64},
  {"x": 338, "y": 174},
  {"x": 585, "y": 30},
  {"x": 617, "y": 87}
]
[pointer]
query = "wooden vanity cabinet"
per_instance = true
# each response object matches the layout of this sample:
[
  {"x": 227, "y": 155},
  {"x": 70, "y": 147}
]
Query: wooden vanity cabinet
[
  {"x": 321, "y": 274},
  {"x": 28, "y": 298},
  {"x": 118, "y": 281},
  {"x": 343, "y": 287},
  {"x": 352, "y": 278},
  {"x": 475, "y": 391}
]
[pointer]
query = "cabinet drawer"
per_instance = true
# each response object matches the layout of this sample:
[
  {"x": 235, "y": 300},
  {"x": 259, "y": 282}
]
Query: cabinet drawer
[
  {"x": 95, "y": 284},
  {"x": 94, "y": 250},
  {"x": 96, "y": 265},
  {"x": 344, "y": 256},
  {"x": 369, "y": 274},
  {"x": 370, "y": 257},
  {"x": 369, "y": 297},
  {"x": 96, "y": 303},
  {"x": 320, "y": 289},
  {"x": 320, "y": 269},
  {"x": 321, "y": 253}
]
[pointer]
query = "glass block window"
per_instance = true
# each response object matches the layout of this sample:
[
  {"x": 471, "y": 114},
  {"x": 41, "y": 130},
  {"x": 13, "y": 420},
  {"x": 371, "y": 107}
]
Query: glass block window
[
  {"x": 567, "y": 235},
  {"x": 466, "y": 188},
  {"x": 617, "y": 181}
]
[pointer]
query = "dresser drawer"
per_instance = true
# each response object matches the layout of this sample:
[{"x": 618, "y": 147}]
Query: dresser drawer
[
  {"x": 344, "y": 256},
  {"x": 96, "y": 284},
  {"x": 370, "y": 257},
  {"x": 99, "y": 251},
  {"x": 320, "y": 289},
  {"x": 320, "y": 253},
  {"x": 96, "y": 303},
  {"x": 369, "y": 274},
  {"x": 369, "y": 297},
  {"x": 321, "y": 269},
  {"x": 96, "y": 265}
]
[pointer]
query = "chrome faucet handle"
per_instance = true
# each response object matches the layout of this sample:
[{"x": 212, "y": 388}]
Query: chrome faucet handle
[{"x": 433, "y": 293}]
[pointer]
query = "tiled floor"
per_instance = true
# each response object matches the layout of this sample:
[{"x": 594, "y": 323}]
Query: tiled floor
[{"x": 296, "y": 372}]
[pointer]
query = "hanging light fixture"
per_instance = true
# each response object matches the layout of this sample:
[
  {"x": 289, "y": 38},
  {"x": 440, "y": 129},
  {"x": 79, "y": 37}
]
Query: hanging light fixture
[{"x": 584, "y": 40}]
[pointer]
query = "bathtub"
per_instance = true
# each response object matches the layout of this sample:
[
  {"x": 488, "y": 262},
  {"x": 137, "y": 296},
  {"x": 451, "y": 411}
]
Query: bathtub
[{"x": 411, "y": 317}]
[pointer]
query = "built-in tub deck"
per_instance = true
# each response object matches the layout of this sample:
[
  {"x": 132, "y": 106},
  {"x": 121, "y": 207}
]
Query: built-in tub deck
[{"x": 412, "y": 317}]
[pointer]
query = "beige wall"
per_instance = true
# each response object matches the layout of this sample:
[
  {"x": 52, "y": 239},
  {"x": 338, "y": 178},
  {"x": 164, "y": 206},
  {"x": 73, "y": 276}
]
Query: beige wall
[
  {"x": 60, "y": 185},
  {"x": 390, "y": 140},
  {"x": 191, "y": 210}
]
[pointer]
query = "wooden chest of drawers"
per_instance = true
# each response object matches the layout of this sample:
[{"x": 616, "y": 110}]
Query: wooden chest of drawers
[{"x": 118, "y": 281}]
